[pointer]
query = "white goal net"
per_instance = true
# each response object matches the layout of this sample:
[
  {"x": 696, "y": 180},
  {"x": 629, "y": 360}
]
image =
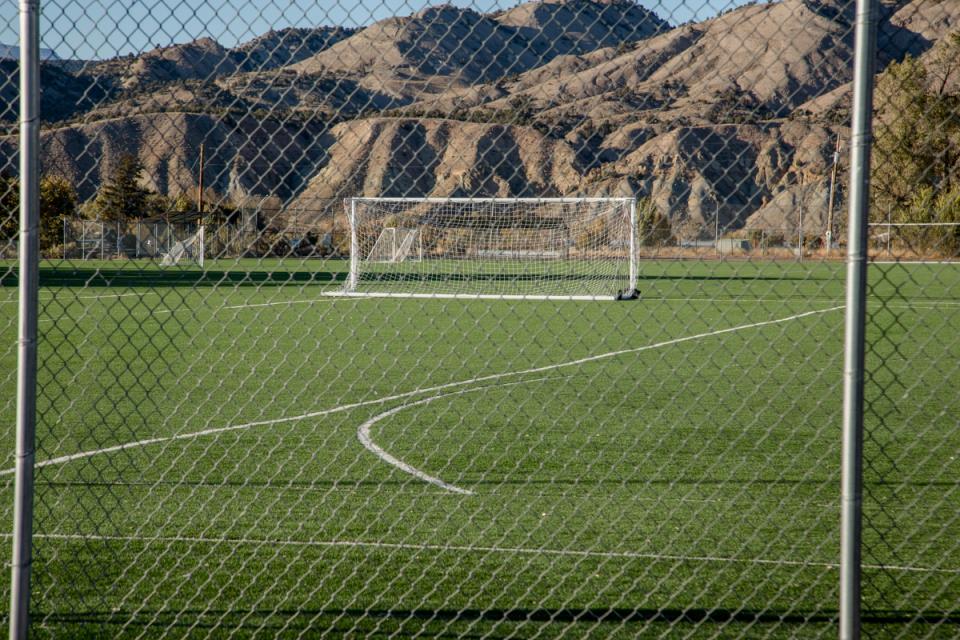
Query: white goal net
[
  {"x": 190, "y": 249},
  {"x": 579, "y": 248}
]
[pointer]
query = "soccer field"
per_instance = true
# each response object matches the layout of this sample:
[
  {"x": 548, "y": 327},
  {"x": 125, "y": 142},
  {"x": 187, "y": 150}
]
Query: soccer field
[{"x": 234, "y": 452}]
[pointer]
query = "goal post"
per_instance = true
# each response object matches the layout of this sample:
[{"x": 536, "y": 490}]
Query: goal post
[
  {"x": 546, "y": 248},
  {"x": 914, "y": 241}
]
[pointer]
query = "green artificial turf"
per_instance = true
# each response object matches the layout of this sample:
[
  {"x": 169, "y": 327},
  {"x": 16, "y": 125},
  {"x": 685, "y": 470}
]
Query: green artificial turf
[{"x": 668, "y": 466}]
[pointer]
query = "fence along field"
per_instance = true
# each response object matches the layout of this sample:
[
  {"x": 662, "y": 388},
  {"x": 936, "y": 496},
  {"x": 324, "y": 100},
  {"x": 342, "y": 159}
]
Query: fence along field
[{"x": 228, "y": 446}]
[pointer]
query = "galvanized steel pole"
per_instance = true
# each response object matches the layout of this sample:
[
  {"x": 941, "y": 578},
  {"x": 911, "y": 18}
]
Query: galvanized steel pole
[
  {"x": 353, "y": 279},
  {"x": 855, "y": 330},
  {"x": 634, "y": 268},
  {"x": 27, "y": 342}
]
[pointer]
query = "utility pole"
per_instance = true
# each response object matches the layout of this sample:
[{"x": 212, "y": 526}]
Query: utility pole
[
  {"x": 800, "y": 225},
  {"x": 200, "y": 189},
  {"x": 716, "y": 226},
  {"x": 833, "y": 187}
]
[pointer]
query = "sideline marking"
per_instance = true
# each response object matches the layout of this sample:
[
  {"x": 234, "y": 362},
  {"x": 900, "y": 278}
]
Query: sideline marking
[
  {"x": 365, "y": 403},
  {"x": 632, "y": 555},
  {"x": 909, "y": 262},
  {"x": 363, "y": 434}
]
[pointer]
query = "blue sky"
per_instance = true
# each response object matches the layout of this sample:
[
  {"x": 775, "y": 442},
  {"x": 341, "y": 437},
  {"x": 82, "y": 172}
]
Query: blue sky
[{"x": 88, "y": 29}]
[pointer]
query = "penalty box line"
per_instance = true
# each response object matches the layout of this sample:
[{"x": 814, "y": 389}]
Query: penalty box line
[
  {"x": 399, "y": 396},
  {"x": 448, "y": 548}
]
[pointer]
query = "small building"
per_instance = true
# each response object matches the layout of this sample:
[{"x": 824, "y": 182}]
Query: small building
[{"x": 733, "y": 245}]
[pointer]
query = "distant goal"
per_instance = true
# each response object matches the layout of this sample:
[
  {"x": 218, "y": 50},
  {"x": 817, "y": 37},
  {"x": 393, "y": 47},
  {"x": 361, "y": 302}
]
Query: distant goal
[
  {"x": 189, "y": 250},
  {"x": 514, "y": 248}
]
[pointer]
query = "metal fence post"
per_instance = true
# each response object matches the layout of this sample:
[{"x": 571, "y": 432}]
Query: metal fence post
[
  {"x": 27, "y": 343},
  {"x": 354, "y": 247},
  {"x": 855, "y": 325},
  {"x": 634, "y": 248}
]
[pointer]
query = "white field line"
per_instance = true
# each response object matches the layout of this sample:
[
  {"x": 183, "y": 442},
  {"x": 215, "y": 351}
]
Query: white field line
[
  {"x": 363, "y": 434},
  {"x": 118, "y": 295},
  {"x": 332, "y": 296},
  {"x": 873, "y": 300},
  {"x": 236, "y": 306},
  {"x": 909, "y": 262},
  {"x": 919, "y": 304},
  {"x": 449, "y": 548},
  {"x": 107, "y": 295},
  {"x": 277, "y": 304},
  {"x": 365, "y": 403}
]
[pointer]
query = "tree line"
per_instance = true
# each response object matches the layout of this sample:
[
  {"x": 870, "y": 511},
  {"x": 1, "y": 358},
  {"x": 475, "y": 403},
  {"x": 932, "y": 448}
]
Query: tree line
[
  {"x": 916, "y": 154},
  {"x": 121, "y": 198}
]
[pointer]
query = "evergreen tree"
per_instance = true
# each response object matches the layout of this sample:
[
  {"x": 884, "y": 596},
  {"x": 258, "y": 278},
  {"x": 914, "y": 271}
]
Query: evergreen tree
[
  {"x": 916, "y": 170},
  {"x": 58, "y": 201},
  {"x": 122, "y": 197},
  {"x": 653, "y": 227},
  {"x": 918, "y": 132},
  {"x": 9, "y": 208}
]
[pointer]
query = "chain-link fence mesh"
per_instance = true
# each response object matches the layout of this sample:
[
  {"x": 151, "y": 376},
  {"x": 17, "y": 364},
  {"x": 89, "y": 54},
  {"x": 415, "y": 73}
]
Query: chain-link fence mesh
[
  {"x": 277, "y": 440},
  {"x": 912, "y": 418}
]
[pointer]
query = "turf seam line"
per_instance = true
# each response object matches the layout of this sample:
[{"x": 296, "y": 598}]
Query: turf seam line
[
  {"x": 365, "y": 403},
  {"x": 583, "y": 553}
]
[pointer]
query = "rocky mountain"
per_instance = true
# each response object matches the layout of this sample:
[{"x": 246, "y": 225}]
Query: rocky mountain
[
  {"x": 206, "y": 59},
  {"x": 287, "y": 46},
  {"x": 410, "y": 157},
  {"x": 63, "y": 94},
  {"x": 201, "y": 59},
  {"x": 244, "y": 156},
  {"x": 445, "y": 46},
  {"x": 733, "y": 118}
]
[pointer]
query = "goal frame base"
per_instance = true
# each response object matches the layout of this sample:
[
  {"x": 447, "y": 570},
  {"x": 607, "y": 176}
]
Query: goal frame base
[{"x": 466, "y": 296}]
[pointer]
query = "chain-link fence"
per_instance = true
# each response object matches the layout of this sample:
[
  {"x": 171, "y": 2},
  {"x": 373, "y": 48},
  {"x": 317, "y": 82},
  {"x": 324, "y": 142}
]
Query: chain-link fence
[{"x": 481, "y": 320}]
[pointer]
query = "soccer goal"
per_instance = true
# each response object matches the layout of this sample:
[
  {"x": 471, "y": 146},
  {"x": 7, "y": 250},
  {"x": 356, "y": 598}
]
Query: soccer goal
[
  {"x": 515, "y": 248},
  {"x": 189, "y": 249},
  {"x": 915, "y": 241}
]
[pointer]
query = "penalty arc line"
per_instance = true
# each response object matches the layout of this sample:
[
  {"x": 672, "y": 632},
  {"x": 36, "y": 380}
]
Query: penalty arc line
[
  {"x": 449, "y": 548},
  {"x": 363, "y": 434},
  {"x": 399, "y": 396}
]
